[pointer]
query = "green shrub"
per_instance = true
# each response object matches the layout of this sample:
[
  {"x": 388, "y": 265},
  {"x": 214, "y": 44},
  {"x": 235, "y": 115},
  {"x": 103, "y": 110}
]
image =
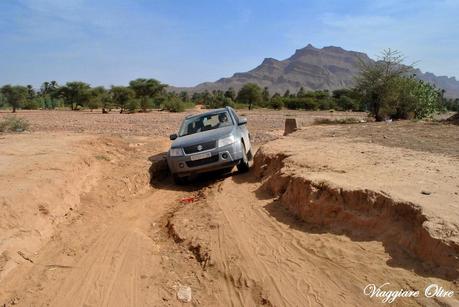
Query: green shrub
[
  {"x": 326, "y": 104},
  {"x": 212, "y": 102},
  {"x": 250, "y": 94},
  {"x": 133, "y": 105},
  {"x": 189, "y": 105},
  {"x": 276, "y": 103},
  {"x": 13, "y": 124},
  {"x": 159, "y": 101},
  {"x": 50, "y": 103},
  {"x": 31, "y": 104},
  {"x": 293, "y": 103},
  {"x": 310, "y": 104},
  {"x": 146, "y": 103},
  {"x": 93, "y": 104},
  {"x": 425, "y": 97},
  {"x": 307, "y": 103},
  {"x": 174, "y": 104},
  {"x": 390, "y": 93},
  {"x": 264, "y": 104},
  {"x": 329, "y": 121},
  {"x": 449, "y": 104},
  {"x": 346, "y": 103},
  {"x": 240, "y": 106}
]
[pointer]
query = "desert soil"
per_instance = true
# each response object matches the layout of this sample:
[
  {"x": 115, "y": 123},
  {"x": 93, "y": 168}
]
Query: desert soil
[
  {"x": 264, "y": 124},
  {"x": 90, "y": 218}
]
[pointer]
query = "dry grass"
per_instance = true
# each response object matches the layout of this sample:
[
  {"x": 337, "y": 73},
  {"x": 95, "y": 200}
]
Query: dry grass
[
  {"x": 13, "y": 124},
  {"x": 339, "y": 121}
]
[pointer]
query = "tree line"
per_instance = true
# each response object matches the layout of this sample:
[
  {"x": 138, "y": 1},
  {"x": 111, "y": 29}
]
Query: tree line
[
  {"x": 141, "y": 94},
  {"x": 398, "y": 97},
  {"x": 384, "y": 88},
  {"x": 251, "y": 95},
  {"x": 145, "y": 94}
]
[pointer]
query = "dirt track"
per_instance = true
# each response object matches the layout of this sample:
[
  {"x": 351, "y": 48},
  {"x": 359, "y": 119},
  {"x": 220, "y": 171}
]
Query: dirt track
[
  {"x": 118, "y": 240},
  {"x": 109, "y": 244}
]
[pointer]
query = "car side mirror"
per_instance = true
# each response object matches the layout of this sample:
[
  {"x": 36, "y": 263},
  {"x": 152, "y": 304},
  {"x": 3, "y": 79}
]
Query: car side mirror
[
  {"x": 173, "y": 136},
  {"x": 242, "y": 121}
]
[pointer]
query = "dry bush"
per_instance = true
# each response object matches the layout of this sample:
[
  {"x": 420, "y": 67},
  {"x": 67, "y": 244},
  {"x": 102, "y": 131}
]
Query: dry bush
[
  {"x": 13, "y": 124},
  {"x": 329, "y": 121}
]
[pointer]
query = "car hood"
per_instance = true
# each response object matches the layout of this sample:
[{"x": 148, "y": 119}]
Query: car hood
[{"x": 201, "y": 137}]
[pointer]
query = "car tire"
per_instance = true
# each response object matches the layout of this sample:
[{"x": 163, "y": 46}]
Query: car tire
[
  {"x": 179, "y": 180},
  {"x": 226, "y": 170},
  {"x": 243, "y": 166},
  {"x": 250, "y": 155}
]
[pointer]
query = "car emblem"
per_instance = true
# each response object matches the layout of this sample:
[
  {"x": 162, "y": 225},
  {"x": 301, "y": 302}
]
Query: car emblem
[{"x": 199, "y": 147}]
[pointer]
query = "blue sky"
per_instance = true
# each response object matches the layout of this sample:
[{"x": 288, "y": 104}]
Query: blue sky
[{"x": 186, "y": 42}]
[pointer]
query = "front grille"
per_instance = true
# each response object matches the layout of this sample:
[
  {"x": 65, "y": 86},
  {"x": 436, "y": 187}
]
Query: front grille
[
  {"x": 205, "y": 146},
  {"x": 202, "y": 161}
]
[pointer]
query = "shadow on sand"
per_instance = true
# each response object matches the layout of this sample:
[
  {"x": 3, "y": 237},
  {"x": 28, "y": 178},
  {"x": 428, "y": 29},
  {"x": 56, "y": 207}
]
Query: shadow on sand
[{"x": 399, "y": 258}]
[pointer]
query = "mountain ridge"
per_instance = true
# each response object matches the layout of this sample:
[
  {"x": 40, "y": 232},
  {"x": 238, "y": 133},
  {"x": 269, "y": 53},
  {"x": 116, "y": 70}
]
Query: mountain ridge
[{"x": 312, "y": 68}]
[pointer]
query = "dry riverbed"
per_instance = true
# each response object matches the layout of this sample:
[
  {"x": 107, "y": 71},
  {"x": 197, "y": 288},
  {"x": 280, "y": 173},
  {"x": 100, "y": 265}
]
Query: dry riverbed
[{"x": 89, "y": 217}]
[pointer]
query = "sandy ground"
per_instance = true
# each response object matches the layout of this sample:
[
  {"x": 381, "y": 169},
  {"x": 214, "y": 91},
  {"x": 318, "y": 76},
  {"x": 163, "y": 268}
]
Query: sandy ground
[
  {"x": 264, "y": 124},
  {"x": 41, "y": 179},
  {"x": 360, "y": 187},
  {"x": 82, "y": 225},
  {"x": 261, "y": 254}
]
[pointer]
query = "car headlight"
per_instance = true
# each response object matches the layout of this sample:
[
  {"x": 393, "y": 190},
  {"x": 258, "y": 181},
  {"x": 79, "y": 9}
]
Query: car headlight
[
  {"x": 226, "y": 141},
  {"x": 176, "y": 152}
]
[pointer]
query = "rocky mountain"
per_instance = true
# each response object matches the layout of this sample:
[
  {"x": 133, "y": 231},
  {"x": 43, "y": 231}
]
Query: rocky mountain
[
  {"x": 314, "y": 69},
  {"x": 449, "y": 84}
]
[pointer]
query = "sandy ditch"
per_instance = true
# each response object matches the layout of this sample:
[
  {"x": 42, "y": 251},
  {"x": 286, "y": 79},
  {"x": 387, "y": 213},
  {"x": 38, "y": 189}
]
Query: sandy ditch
[
  {"x": 194, "y": 227},
  {"x": 254, "y": 251},
  {"x": 405, "y": 199},
  {"x": 44, "y": 178}
]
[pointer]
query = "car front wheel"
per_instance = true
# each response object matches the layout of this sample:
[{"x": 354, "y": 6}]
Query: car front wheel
[
  {"x": 243, "y": 166},
  {"x": 179, "y": 180}
]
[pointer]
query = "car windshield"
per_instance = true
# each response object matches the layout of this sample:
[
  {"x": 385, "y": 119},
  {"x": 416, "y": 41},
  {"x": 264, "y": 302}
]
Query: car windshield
[{"x": 207, "y": 122}]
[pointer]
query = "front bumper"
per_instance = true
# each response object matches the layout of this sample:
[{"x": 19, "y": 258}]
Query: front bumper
[{"x": 220, "y": 158}]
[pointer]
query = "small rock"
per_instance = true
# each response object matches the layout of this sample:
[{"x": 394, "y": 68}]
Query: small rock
[
  {"x": 184, "y": 294},
  {"x": 426, "y": 192},
  {"x": 14, "y": 301}
]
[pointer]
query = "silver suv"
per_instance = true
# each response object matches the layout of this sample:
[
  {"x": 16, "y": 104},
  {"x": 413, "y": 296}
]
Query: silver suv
[{"x": 209, "y": 141}]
